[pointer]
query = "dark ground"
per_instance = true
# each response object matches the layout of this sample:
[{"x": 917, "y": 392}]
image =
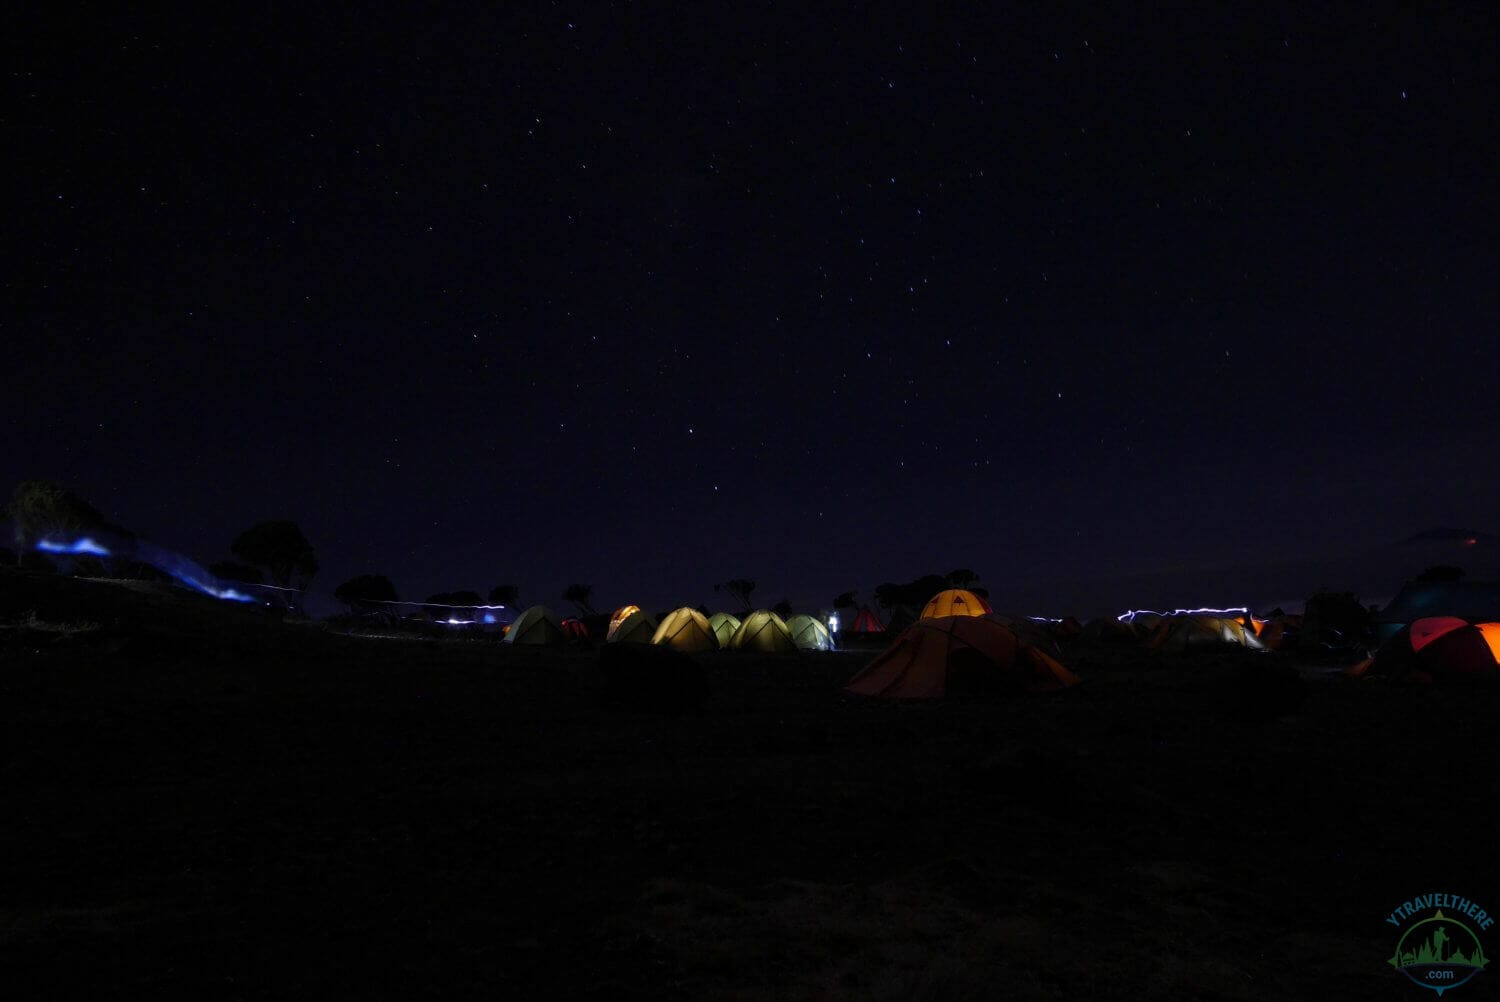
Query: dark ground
[{"x": 198, "y": 802}]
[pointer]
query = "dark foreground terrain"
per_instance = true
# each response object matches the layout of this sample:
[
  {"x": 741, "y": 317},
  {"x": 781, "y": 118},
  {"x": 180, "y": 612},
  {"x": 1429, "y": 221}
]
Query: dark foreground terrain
[{"x": 201, "y": 803}]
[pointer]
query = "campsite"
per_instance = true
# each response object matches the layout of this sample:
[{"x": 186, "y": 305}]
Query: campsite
[{"x": 205, "y": 798}]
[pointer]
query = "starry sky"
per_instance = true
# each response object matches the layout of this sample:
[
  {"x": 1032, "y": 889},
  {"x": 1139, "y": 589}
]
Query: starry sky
[{"x": 821, "y": 296}]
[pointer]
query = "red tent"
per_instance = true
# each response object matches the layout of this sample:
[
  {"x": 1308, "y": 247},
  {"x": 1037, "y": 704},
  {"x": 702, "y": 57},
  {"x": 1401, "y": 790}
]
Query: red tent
[
  {"x": 866, "y": 622},
  {"x": 1437, "y": 648}
]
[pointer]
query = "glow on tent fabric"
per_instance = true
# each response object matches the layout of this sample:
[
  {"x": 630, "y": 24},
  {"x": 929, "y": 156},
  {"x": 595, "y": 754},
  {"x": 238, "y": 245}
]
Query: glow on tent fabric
[
  {"x": 809, "y": 634},
  {"x": 636, "y": 628},
  {"x": 955, "y": 655},
  {"x": 621, "y": 614},
  {"x": 1436, "y": 649},
  {"x": 686, "y": 630},
  {"x": 955, "y": 602},
  {"x": 762, "y": 631},
  {"x": 723, "y": 625}
]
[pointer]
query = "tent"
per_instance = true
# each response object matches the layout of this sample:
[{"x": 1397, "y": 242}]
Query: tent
[
  {"x": 575, "y": 631},
  {"x": 955, "y": 602},
  {"x": 866, "y": 622},
  {"x": 959, "y": 655},
  {"x": 1475, "y": 601},
  {"x": 621, "y": 614},
  {"x": 809, "y": 634},
  {"x": 762, "y": 631},
  {"x": 536, "y": 627},
  {"x": 1280, "y": 633},
  {"x": 1178, "y": 633},
  {"x": 723, "y": 625},
  {"x": 686, "y": 630},
  {"x": 636, "y": 628},
  {"x": 1109, "y": 630},
  {"x": 1435, "y": 649}
]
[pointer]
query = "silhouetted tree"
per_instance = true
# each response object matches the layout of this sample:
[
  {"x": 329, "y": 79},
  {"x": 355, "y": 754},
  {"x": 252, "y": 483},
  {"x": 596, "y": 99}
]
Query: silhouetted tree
[
  {"x": 505, "y": 594},
  {"x": 361, "y": 592},
  {"x": 740, "y": 588},
  {"x": 580, "y": 595},
  {"x": 444, "y": 604},
  {"x": 40, "y": 508},
  {"x": 844, "y": 601},
  {"x": 962, "y": 578},
  {"x": 886, "y": 596},
  {"x": 279, "y": 546},
  {"x": 783, "y": 609},
  {"x": 229, "y": 570}
]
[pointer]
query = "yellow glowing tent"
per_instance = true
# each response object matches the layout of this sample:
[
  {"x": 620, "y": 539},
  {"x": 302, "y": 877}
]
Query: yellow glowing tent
[
  {"x": 687, "y": 630},
  {"x": 808, "y": 634},
  {"x": 955, "y": 602},
  {"x": 723, "y": 625},
  {"x": 762, "y": 631}
]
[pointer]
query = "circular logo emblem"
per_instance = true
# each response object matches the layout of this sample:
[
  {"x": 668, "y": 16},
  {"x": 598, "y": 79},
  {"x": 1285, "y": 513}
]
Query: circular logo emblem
[{"x": 1439, "y": 953}]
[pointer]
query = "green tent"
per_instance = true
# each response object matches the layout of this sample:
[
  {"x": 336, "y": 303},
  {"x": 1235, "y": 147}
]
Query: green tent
[
  {"x": 723, "y": 625},
  {"x": 809, "y": 634},
  {"x": 536, "y": 627},
  {"x": 763, "y": 631}
]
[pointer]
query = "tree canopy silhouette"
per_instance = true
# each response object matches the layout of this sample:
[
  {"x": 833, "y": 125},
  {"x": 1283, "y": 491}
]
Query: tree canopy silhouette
[
  {"x": 359, "y": 593},
  {"x": 740, "y": 588},
  {"x": 278, "y": 546},
  {"x": 445, "y": 604},
  {"x": 581, "y": 595},
  {"x": 229, "y": 570},
  {"x": 844, "y": 601}
]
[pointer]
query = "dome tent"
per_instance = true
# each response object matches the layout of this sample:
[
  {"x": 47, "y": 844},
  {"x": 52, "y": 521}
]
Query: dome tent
[
  {"x": 621, "y": 614},
  {"x": 866, "y": 622},
  {"x": 723, "y": 625},
  {"x": 536, "y": 627},
  {"x": 956, "y": 655},
  {"x": 1178, "y": 633},
  {"x": 954, "y": 602},
  {"x": 687, "y": 630},
  {"x": 637, "y": 628},
  {"x": 1435, "y": 649},
  {"x": 763, "y": 631},
  {"x": 809, "y": 634}
]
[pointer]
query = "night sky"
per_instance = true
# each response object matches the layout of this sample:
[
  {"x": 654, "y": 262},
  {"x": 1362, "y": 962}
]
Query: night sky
[{"x": 821, "y": 297}]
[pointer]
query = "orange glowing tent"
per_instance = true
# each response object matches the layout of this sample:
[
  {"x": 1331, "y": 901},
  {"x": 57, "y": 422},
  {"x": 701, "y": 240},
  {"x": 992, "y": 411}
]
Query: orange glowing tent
[
  {"x": 621, "y": 614},
  {"x": 574, "y": 630},
  {"x": 955, "y": 602},
  {"x": 637, "y": 628},
  {"x": 959, "y": 655}
]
